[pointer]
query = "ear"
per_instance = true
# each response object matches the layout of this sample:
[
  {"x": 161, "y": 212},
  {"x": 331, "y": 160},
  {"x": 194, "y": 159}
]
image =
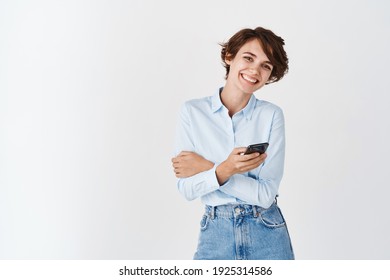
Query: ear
[{"x": 228, "y": 59}]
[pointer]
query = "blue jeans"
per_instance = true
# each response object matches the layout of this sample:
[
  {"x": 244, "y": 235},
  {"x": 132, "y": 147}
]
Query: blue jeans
[{"x": 243, "y": 232}]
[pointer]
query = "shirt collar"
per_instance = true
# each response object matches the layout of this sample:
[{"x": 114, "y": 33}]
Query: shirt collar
[
  {"x": 247, "y": 111},
  {"x": 216, "y": 102}
]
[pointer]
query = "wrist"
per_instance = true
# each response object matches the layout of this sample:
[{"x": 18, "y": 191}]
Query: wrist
[
  {"x": 222, "y": 173},
  {"x": 209, "y": 165}
]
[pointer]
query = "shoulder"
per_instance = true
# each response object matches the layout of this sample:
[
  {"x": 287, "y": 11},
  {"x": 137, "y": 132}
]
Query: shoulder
[
  {"x": 201, "y": 104},
  {"x": 198, "y": 102},
  {"x": 268, "y": 112},
  {"x": 268, "y": 107}
]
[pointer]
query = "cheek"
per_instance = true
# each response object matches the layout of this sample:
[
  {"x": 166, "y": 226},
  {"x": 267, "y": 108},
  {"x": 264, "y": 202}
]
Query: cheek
[
  {"x": 238, "y": 66},
  {"x": 266, "y": 74}
]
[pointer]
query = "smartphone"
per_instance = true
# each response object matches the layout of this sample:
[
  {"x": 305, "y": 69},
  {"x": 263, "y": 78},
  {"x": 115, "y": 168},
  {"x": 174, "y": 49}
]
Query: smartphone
[{"x": 259, "y": 148}]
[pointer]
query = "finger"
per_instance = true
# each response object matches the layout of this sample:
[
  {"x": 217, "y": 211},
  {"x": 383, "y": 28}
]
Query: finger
[
  {"x": 251, "y": 166},
  {"x": 239, "y": 150},
  {"x": 177, "y": 159},
  {"x": 262, "y": 157},
  {"x": 178, "y": 173},
  {"x": 257, "y": 160},
  {"x": 258, "y": 156},
  {"x": 249, "y": 156}
]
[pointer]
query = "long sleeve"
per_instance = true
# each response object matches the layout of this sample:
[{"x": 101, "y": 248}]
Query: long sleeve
[
  {"x": 262, "y": 187},
  {"x": 205, "y": 127},
  {"x": 202, "y": 183}
]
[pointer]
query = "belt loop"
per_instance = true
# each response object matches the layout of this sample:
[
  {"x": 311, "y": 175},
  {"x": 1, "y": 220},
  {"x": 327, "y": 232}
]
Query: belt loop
[
  {"x": 212, "y": 212},
  {"x": 255, "y": 213}
]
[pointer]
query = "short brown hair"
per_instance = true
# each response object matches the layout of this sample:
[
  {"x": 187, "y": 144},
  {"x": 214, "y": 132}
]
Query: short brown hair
[{"x": 272, "y": 46}]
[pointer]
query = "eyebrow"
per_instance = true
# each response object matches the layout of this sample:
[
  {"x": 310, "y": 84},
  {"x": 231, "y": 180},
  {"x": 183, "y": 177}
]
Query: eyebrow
[{"x": 252, "y": 54}]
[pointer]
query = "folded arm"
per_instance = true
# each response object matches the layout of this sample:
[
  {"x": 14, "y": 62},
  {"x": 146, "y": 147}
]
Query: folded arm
[
  {"x": 199, "y": 176},
  {"x": 196, "y": 175}
]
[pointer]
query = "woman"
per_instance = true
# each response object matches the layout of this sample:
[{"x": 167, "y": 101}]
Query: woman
[{"x": 242, "y": 219}]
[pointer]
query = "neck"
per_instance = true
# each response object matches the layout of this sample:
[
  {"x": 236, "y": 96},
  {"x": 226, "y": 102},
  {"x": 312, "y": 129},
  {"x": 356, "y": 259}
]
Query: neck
[{"x": 234, "y": 100}]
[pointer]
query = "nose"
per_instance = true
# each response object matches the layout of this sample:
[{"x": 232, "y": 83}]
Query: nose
[{"x": 254, "y": 71}]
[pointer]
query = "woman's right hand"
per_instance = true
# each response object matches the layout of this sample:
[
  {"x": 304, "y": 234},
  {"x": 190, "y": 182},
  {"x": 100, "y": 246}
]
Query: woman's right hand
[{"x": 237, "y": 162}]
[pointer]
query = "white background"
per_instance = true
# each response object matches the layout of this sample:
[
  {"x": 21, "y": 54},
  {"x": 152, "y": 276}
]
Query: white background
[{"x": 89, "y": 96}]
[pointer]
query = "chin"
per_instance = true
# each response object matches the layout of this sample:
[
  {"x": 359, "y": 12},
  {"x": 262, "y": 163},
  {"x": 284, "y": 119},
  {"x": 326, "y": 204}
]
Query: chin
[{"x": 250, "y": 90}]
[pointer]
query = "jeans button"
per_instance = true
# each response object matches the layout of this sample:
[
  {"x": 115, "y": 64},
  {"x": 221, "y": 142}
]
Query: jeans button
[{"x": 237, "y": 210}]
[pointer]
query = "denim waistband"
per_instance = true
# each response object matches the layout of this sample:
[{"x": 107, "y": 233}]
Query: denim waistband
[{"x": 233, "y": 210}]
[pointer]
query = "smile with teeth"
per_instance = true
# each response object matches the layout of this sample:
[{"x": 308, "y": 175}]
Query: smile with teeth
[{"x": 248, "y": 79}]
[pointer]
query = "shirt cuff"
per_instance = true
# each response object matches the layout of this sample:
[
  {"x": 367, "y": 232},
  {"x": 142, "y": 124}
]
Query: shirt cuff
[
  {"x": 211, "y": 178},
  {"x": 228, "y": 182}
]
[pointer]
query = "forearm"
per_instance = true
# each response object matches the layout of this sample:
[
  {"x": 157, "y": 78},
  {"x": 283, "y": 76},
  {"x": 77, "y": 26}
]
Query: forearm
[
  {"x": 222, "y": 173},
  {"x": 260, "y": 192},
  {"x": 198, "y": 185},
  {"x": 237, "y": 163}
]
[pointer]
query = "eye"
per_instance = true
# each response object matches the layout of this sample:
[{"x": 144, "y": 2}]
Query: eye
[
  {"x": 267, "y": 67},
  {"x": 248, "y": 58}
]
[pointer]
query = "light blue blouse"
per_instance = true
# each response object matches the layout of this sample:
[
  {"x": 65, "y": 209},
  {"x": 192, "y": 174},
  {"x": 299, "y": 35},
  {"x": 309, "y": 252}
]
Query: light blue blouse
[{"x": 206, "y": 128}]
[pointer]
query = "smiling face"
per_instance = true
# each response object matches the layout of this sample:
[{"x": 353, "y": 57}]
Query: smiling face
[{"x": 250, "y": 69}]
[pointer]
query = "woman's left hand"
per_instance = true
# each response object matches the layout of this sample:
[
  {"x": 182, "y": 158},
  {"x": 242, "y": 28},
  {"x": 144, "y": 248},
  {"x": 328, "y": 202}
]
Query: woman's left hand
[{"x": 187, "y": 164}]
